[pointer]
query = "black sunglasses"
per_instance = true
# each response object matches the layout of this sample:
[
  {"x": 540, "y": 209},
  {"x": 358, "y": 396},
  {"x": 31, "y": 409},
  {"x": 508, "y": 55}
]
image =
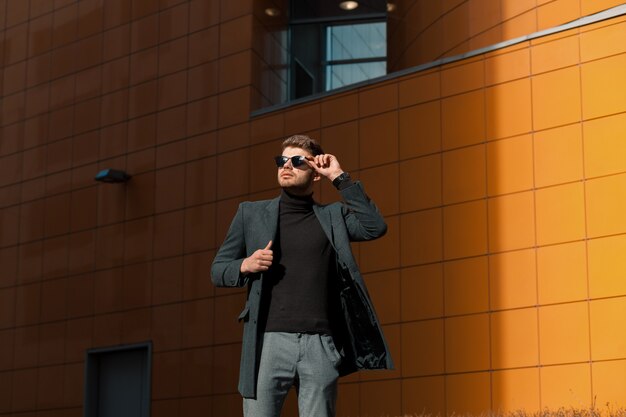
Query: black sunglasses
[{"x": 296, "y": 161}]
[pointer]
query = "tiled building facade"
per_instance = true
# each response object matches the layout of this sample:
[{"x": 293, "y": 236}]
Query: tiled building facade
[{"x": 500, "y": 283}]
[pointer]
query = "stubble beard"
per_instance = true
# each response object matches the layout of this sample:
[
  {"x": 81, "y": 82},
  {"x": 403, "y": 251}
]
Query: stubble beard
[{"x": 296, "y": 186}]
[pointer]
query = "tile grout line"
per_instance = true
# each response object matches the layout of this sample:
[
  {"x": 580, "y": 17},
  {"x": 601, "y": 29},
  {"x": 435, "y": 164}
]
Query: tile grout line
[
  {"x": 535, "y": 245},
  {"x": 586, "y": 218}
]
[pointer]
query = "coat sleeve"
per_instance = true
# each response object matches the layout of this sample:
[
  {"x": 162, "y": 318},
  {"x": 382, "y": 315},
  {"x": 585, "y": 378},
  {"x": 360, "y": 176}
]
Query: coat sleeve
[
  {"x": 225, "y": 270},
  {"x": 362, "y": 217}
]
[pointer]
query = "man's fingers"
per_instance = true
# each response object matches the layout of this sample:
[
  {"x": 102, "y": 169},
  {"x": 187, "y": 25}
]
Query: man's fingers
[
  {"x": 260, "y": 260},
  {"x": 324, "y": 160},
  {"x": 320, "y": 161},
  {"x": 266, "y": 255},
  {"x": 263, "y": 265},
  {"x": 313, "y": 164}
]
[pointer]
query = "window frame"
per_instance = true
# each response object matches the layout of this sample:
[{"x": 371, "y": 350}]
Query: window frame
[{"x": 322, "y": 25}]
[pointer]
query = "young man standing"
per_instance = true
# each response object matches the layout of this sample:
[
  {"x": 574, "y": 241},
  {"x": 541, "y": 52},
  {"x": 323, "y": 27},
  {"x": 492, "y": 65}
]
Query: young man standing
[{"x": 308, "y": 318}]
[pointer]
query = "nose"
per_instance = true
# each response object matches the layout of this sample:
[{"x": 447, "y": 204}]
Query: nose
[{"x": 288, "y": 164}]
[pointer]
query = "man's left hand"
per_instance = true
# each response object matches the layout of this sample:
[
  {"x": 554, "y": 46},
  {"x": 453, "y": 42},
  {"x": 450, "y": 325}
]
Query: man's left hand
[{"x": 326, "y": 165}]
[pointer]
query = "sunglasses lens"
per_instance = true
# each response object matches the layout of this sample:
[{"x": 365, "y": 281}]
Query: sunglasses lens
[
  {"x": 296, "y": 161},
  {"x": 280, "y": 161}
]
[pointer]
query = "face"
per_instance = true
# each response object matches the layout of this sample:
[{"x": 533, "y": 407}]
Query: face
[{"x": 298, "y": 180}]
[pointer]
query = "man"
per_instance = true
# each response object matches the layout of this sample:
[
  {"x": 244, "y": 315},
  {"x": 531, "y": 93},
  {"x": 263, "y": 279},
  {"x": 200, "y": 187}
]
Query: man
[{"x": 308, "y": 318}]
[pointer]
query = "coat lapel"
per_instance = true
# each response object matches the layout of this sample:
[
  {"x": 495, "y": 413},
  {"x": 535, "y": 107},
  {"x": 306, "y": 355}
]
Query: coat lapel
[
  {"x": 324, "y": 217},
  {"x": 270, "y": 218}
]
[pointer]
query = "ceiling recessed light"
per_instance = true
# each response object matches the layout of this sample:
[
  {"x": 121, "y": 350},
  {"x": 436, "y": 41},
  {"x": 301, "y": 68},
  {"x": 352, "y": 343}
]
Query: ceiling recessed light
[
  {"x": 272, "y": 12},
  {"x": 391, "y": 7},
  {"x": 349, "y": 5}
]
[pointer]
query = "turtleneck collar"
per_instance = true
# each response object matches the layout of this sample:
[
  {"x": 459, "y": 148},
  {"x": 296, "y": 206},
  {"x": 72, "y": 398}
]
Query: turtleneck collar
[{"x": 296, "y": 200}]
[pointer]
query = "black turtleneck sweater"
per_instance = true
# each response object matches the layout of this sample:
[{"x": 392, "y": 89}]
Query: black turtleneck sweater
[{"x": 303, "y": 259}]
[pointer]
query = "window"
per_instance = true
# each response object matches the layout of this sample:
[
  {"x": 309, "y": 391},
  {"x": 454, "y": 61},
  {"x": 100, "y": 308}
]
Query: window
[
  {"x": 117, "y": 381},
  {"x": 333, "y": 47},
  {"x": 355, "y": 53}
]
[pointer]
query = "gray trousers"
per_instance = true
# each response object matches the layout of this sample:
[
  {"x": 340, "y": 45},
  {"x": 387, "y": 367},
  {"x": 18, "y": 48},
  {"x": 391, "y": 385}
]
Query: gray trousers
[{"x": 308, "y": 362}]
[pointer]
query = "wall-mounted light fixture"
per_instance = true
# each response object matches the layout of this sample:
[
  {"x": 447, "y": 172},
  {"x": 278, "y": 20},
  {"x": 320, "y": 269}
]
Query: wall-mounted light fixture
[
  {"x": 349, "y": 5},
  {"x": 272, "y": 12},
  {"x": 112, "y": 176}
]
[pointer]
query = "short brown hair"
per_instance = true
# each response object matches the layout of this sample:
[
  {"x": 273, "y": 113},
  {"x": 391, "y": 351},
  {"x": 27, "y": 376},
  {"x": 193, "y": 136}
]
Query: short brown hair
[{"x": 303, "y": 142}]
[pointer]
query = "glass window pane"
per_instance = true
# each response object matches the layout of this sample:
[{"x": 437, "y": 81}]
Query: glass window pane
[
  {"x": 345, "y": 74},
  {"x": 365, "y": 40}
]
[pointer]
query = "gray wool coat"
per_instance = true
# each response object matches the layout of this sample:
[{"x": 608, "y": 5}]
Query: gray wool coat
[{"x": 358, "y": 335}]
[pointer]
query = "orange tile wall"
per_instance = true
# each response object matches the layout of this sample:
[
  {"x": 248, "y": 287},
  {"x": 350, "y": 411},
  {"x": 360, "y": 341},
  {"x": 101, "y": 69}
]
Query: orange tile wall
[
  {"x": 499, "y": 284},
  {"x": 421, "y": 31}
]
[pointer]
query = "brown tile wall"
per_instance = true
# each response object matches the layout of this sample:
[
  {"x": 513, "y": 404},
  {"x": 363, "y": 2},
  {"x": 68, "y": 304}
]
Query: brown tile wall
[
  {"x": 270, "y": 55},
  {"x": 157, "y": 88}
]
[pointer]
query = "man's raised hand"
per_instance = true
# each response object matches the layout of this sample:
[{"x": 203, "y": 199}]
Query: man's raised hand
[
  {"x": 326, "y": 165},
  {"x": 259, "y": 261}
]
